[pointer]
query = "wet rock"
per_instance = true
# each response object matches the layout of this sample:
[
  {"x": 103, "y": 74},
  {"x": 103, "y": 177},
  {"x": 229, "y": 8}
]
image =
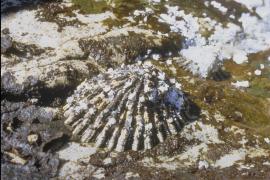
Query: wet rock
[{"x": 25, "y": 129}]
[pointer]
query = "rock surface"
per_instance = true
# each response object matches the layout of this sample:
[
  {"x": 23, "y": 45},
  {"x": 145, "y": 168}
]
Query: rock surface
[
  {"x": 218, "y": 51},
  {"x": 29, "y": 135}
]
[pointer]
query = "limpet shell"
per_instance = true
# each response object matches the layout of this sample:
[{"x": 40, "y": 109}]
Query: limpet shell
[{"x": 134, "y": 107}]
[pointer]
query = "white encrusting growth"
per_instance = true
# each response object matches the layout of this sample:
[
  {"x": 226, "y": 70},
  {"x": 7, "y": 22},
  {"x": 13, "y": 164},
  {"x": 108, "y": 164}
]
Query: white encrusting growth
[
  {"x": 230, "y": 159},
  {"x": 45, "y": 34},
  {"x": 203, "y": 165},
  {"x": 132, "y": 107},
  {"x": 258, "y": 72},
  {"x": 219, "y": 6},
  {"x": 230, "y": 42},
  {"x": 78, "y": 152},
  {"x": 239, "y": 84},
  {"x": 252, "y": 4}
]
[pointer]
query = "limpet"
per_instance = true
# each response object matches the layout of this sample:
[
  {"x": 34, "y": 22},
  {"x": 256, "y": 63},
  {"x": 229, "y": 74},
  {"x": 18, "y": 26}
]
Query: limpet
[{"x": 134, "y": 107}]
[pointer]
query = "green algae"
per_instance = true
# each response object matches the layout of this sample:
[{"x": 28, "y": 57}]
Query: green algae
[
  {"x": 240, "y": 108},
  {"x": 125, "y": 8},
  {"x": 259, "y": 84},
  {"x": 260, "y": 87},
  {"x": 92, "y": 6},
  {"x": 199, "y": 8},
  {"x": 254, "y": 111},
  {"x": 119, "y": 7},
  {"x": 53, "y": 12}
]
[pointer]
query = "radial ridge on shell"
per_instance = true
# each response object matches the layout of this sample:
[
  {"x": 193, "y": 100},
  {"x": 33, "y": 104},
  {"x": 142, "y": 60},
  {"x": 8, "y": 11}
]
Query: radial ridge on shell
[{"x": 134, "y": 107}]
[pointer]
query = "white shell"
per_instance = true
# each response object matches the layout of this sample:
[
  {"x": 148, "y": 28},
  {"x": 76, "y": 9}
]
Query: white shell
[{"x": 133, "y": 107}]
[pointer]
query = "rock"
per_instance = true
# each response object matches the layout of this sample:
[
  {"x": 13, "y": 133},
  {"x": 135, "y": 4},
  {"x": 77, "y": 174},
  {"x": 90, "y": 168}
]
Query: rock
[
  {"x": 6, "y": 43},
  {"x": 25, "y": 129},
  {"x": 114, "y": 50},
  {"x": 25, "y": 52},
  {"x": 54, "y": 12},
  {"x": 45, "y": 79},
  {"x": 76, "y": 170},
  {"x": 50, "y": 68},
  {"x": 55, "y": 49}
]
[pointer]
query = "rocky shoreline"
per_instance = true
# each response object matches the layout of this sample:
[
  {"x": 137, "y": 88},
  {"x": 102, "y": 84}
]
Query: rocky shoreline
[{"x": 190, "y": 73}]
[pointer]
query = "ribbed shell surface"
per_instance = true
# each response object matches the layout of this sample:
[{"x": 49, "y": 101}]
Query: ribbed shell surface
[{"x": 134, "y": 107}]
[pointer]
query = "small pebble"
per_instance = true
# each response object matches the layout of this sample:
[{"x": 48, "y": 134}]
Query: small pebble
[
  {"x": 32, "y": 138},
  {"x": 238, "y": 116}
]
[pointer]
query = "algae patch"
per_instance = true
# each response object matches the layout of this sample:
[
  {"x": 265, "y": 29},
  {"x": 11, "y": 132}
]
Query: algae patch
[
  {"x": 92, "y": 6},
  {"x": 119, "y": 7}
]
